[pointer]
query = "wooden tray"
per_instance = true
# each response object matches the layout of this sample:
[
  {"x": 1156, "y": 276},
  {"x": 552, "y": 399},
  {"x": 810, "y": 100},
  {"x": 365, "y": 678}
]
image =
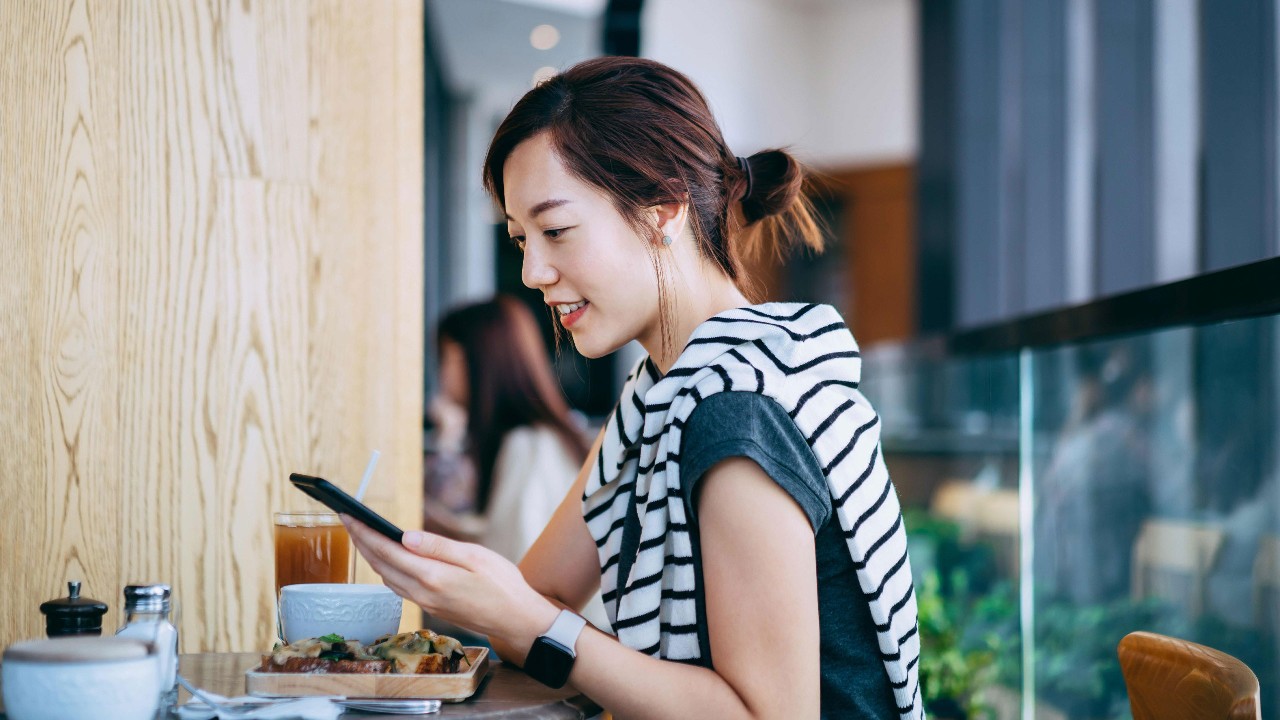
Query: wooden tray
[{"x": 450, "y": 687}]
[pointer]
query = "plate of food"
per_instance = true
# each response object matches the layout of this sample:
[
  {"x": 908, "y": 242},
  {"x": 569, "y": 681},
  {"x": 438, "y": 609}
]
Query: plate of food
[{"x": 419, "y": 664}]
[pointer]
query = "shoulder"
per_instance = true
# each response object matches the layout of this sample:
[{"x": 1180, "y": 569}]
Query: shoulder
[
  {"x": 749, "y": 425},
  {"x": 748, "y": 411}
]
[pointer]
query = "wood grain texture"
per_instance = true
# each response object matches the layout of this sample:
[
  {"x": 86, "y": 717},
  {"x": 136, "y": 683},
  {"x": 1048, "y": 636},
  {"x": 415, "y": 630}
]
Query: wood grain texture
[
  {"x": 59, "y": 185},
  {"x": 1173, "y": 679},
  {"x": 213, "y": 258}
]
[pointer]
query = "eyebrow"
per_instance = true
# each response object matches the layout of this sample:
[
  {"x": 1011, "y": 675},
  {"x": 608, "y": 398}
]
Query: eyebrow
[{"x": 544, "y": 206}]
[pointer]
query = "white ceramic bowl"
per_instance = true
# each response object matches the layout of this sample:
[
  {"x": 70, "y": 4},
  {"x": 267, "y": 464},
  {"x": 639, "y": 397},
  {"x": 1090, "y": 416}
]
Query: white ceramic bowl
[
  {"x": 78, "y": 678},
  {"x": 356, "y": 612}
]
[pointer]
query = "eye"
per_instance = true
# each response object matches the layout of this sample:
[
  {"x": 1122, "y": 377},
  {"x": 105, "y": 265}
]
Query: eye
[
  {"x": 518, "y": 241},
  {"x": 554, "y": 233}
]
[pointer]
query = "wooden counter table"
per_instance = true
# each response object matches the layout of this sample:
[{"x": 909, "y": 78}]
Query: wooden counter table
[{"x": 505, "y": 693}]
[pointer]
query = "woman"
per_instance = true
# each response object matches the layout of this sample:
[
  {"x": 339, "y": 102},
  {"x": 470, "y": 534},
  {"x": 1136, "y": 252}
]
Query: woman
[
  {"x": 735, "y": 510},
  {"x": 500, "y": 405}
]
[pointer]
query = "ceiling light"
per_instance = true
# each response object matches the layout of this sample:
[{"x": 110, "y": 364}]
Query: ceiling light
[
  {"x": 544, "y": 37},
  {"x": 543, "y": 74}
]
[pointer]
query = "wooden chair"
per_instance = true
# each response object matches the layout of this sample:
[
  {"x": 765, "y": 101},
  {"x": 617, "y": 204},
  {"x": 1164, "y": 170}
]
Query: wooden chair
[
  {"x": 989, "y": 515},
  {"x": 1172, "y": 679},
  {"x": 997, "y": 521},
  {"x": 957, "y": 501},
  {"x": 1172, "y": 559}
]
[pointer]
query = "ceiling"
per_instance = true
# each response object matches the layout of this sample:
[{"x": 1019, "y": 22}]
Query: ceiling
[
  {"x": 585, "y": 8},
  {"x": 485, "y": 47}
]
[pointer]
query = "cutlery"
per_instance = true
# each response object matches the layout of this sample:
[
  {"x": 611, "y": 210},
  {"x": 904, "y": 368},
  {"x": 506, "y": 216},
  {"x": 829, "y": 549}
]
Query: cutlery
[{"x": 403, "y": 707}]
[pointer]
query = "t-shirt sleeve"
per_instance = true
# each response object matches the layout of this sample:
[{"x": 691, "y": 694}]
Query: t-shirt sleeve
[{"x": 747, "y": 424}]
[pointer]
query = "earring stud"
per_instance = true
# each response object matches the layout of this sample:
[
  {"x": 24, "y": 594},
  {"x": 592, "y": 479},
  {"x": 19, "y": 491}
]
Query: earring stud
[{"x": 667, "y": 240}]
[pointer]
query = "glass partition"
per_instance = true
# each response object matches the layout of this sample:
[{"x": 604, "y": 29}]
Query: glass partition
[
  {"x": 1086, "y": 491},
  {"x": 951, "y": 442},
  {"x": 1155, "y": 505}
]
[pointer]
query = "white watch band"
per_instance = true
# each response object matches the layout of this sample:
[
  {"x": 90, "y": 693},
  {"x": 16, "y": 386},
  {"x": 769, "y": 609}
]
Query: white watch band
[{"x": 566, "y": 629}]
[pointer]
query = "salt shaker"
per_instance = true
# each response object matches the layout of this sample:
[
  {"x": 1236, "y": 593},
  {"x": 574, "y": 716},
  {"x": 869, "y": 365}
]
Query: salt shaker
[{"x": 146, "y": 617}]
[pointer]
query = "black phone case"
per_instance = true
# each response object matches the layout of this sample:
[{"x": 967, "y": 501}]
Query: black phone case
[{"x": 334, "y": 498}]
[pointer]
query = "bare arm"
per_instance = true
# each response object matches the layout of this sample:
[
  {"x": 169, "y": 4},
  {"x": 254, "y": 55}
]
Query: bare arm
[
  {"x": 760, "y": 582},
  {"x": 761, "y": 592}
]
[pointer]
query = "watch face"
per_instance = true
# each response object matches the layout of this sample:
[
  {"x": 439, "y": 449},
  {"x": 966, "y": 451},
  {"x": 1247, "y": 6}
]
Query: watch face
[{"x": 549, "y": 662}]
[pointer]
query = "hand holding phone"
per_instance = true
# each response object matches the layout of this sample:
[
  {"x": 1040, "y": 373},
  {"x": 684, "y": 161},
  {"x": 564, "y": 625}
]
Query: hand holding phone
[{"x": 336, "y": 499}]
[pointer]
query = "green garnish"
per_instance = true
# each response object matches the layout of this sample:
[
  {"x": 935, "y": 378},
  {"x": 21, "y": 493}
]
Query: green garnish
[{"x": 333, "y": 638}]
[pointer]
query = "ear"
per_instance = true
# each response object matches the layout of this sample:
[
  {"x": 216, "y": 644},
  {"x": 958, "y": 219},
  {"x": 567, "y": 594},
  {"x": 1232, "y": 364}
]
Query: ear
[{"x": 670, "y": 218}]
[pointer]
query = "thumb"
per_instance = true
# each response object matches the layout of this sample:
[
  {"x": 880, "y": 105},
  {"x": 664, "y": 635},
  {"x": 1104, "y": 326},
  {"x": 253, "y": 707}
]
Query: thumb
[{"x": 438, "y": 547}]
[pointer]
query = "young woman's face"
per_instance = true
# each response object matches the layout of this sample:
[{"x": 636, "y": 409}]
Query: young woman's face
[
  {"x": 579, "y": 251},
  {"x": 453, "y": 372}
]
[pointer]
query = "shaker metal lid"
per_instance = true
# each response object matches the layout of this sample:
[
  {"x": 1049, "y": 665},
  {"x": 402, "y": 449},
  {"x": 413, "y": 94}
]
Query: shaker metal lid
[
  {"x": 77, "y": 649},
  {"x": 147, "y": 592},
  {"x": 73, "y": 605}
]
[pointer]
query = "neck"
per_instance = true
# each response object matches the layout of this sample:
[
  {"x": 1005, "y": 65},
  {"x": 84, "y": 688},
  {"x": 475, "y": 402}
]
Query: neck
[{"x": 692, "y": 304}]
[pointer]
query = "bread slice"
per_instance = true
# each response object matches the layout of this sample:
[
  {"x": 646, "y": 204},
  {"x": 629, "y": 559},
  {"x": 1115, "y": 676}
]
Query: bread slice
[{"x": 318, "y": 665}]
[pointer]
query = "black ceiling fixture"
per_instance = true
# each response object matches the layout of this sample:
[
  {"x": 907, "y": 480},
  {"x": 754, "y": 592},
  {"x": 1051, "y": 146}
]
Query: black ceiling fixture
[{"x": 622, "y": 27}]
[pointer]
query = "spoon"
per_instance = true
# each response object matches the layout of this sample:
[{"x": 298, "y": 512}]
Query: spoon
[
  {"x": 224, "y": 709},
  {"x": 229, "y": 711}
]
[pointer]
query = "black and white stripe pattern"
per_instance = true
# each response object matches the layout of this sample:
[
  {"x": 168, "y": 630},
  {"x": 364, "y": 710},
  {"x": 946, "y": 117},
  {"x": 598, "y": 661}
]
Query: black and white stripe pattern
[{"x": 804, "y": 357}]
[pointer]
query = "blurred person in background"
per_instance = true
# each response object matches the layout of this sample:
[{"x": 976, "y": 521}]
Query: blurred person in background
[{"x": 507, "y": 446}]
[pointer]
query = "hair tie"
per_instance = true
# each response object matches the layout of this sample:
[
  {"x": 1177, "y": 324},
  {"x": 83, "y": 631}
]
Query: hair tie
[{"x": 745, "y": 166}]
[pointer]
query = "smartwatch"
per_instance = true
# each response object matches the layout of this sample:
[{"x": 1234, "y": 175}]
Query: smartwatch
[{"x": 551, "y": 658}]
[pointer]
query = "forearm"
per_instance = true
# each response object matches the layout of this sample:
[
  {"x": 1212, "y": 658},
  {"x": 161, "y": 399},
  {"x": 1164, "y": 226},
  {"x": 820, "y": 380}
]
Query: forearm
[
  {"x": 631, "y": 685},
  {"x": 625, "y": 682}
]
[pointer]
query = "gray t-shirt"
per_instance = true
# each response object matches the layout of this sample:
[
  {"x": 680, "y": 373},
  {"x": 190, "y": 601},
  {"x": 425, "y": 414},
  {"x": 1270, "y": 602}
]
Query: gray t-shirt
[{"x": 746, "y": 424}]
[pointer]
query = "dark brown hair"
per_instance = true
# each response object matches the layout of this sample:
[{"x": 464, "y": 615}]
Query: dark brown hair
[
  {"x": 509, "y": 380},
  {"x": 643, "y": 134}
]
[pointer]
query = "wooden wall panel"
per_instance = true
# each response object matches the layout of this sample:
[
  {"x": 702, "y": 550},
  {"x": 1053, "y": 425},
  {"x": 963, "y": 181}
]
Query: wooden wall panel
[
  {"x": 878, "y": 236},
  {"x": 174, "y": 372},
  {"x": 408, "y": 301},
  {"x": 340, "y": 273},
  {"x": 263, "y": 89},
  {"x": 59, "y": 349},
  {"x": 265, "y": 227},
  {"x": 211, "y": 218}
]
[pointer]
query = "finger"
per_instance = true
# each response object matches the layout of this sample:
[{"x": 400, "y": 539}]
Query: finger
[
  {"x": 368, "y": 542},
  {"x": 390, "y": 559},
  {"x": 382, "y": 553},
  {"x": 438, "y": 547}
]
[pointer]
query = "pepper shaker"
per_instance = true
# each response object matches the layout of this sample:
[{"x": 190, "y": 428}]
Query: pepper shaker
[{"x": 73, "y": 615}]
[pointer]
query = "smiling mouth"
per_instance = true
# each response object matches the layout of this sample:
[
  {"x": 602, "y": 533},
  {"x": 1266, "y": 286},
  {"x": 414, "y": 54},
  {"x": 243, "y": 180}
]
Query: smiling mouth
[
  {"x": 569, "y": 308},
  {"x": 569, "y": 313}
]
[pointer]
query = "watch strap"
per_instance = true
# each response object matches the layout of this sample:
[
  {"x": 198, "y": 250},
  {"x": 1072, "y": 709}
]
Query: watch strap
[{"x": 566, "y": 629}]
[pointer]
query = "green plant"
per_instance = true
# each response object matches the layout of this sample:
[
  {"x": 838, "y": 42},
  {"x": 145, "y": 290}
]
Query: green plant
[
  {"x": 968, "y": 619},
  {"x": 952, "y": 670},
  {"x": 1077, "y": 668}
]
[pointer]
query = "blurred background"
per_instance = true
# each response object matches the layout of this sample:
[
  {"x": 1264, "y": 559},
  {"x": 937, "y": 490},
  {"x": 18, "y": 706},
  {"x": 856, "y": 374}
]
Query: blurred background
[
  {"x": 1052, "y": 229},
  {"x": 228, "y": 230}
]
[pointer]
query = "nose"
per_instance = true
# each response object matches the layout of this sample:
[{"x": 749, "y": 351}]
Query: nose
[{"x": 536, "y": 271}]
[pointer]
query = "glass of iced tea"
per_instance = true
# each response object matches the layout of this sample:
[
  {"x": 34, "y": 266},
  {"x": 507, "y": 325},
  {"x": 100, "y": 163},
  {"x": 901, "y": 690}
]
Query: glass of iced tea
[{"x": 311, "y": 547}]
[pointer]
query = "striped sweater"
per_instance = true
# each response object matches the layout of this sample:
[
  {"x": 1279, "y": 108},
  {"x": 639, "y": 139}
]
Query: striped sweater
[{"x": 803, "y": 357}]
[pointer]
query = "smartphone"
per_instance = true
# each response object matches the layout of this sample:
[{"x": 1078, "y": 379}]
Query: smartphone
[{"x": 334, "y": 497}]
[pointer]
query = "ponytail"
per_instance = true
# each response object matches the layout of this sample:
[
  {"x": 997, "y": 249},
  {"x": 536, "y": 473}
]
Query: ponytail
[{"x": 777, "y": 216}]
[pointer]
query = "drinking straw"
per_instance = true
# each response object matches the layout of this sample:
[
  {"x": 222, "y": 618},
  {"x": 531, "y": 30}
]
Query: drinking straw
[{"x": 368, "y": 474}]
